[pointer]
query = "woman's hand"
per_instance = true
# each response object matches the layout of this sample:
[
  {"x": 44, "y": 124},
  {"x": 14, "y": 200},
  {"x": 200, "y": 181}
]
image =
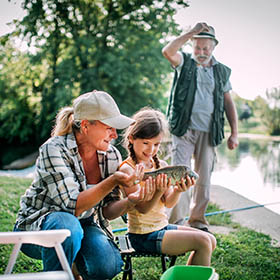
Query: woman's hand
[
  {"x": 130, "y": 180},
  {"x": 139, "y": 173},
  {"x": 144, "y": 192}
]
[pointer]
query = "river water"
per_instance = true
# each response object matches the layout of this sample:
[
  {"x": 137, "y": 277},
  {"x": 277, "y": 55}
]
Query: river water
[{"x": 252, "y": 170}]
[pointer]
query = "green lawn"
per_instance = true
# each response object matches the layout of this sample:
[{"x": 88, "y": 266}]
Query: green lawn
[{"x": 243, "y": 254}]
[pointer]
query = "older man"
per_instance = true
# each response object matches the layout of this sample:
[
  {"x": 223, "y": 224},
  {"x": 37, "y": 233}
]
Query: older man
[{"x": 200, "y": 94}]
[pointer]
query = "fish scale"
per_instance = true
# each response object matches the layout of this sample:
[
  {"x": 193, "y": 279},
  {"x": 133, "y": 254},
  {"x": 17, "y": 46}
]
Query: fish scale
[{"x": 174, "y": 172}]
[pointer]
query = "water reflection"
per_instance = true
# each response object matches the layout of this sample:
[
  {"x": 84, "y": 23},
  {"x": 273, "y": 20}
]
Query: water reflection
[
  {"x": 266, "y": 154},
  {"x": 251, "y": 170},
  {"x": 268, "y": 158}
]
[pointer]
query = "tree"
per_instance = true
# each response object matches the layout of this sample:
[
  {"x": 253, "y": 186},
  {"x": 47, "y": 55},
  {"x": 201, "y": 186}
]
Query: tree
[
  {"x": 17, "y": 105},
  {"x": 271, "y": 112},
  {"x": 107, "y": 45},
  {"x": 81, "y": 45}
]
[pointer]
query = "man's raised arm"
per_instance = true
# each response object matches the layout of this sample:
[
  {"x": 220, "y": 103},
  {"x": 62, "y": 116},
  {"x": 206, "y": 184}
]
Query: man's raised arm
[{"x": 170, "y": 51}]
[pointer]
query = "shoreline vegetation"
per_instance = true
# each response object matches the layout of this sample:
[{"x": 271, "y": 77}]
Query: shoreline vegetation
[
  {"x": 29, "y": 160},
  {"x": 256, "y": 136},
  {"x": 241, "y": 253}
]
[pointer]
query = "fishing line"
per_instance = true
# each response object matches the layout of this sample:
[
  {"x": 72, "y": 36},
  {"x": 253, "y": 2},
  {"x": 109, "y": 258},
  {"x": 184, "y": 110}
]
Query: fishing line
[
  {"x": 239, "y": 209},
  {"x": 218, "y": 212}
]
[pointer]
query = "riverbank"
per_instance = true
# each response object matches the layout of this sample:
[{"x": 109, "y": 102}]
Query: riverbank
[
  {"x": 22, "y": 173},
  {"x": 258, "y": 218}
]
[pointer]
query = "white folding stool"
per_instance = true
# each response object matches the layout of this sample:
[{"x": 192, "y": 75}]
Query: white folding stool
[{"x": 46, "y": 238}]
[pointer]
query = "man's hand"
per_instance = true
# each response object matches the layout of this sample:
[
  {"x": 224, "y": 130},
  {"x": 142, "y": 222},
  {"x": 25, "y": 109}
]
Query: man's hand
[
  {"x": 200, "y": 27},
  {"x": 232, "y": 142},
  {"x": 171, "y": 50}
]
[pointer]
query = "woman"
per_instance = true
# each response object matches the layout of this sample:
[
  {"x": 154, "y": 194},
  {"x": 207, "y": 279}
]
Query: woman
[{"x": 74, "y": 187}]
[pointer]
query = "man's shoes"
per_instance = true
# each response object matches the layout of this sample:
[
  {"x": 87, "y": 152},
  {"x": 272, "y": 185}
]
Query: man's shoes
[{"x": 205, "y": 229}]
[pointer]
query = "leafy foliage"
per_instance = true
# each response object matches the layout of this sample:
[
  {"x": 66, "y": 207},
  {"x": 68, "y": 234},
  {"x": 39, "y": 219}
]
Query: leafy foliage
[
  {"x": 264, "y": 117},
  {"x": 17, "y": 113},
  {"x": 271, "y": 112},
  {"x": 82, "y": 45}
]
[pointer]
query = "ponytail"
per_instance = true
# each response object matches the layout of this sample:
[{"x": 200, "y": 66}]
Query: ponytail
[{"x": 64, "y": 122}]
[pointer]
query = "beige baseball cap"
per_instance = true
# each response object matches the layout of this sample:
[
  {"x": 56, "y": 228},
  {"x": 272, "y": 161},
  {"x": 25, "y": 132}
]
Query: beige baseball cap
[{"x": 100, "y": 106}]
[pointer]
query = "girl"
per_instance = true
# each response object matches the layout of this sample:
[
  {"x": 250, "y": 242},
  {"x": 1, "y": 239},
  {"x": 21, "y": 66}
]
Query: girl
[{"x": 148, "y": 226}]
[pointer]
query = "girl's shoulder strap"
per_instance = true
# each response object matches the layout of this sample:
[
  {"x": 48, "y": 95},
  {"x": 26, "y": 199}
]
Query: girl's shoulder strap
[{"x": 128, "y": 161}]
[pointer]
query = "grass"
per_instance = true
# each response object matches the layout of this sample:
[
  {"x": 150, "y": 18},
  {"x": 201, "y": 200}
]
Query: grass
[
  {"x": 241, "y": 254},
  {"x": 10, "y": 191}
]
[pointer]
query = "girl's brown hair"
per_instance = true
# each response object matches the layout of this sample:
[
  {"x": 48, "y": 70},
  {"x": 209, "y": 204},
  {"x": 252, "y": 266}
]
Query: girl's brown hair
[{"x": 149, "y": 123}]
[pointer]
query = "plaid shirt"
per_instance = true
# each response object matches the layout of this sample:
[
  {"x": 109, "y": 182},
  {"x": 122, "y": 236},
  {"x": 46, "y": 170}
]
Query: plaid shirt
[{"x": 59, "y": 178}]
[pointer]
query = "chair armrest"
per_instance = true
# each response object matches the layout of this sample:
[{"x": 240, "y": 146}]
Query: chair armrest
[
  {"x": 46, "y": 238},
  {"x": 53, "y": 275}
]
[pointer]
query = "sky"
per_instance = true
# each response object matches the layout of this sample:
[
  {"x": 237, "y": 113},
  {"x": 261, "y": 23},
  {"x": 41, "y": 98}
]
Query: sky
[
  {"x": 247, "y": 30},
  {"x": 249, "y": 40}
]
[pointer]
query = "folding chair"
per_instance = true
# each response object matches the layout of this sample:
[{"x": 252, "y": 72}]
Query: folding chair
[
  {"x": 127, "y": 253},
  {"x": 46, "y": 238}
]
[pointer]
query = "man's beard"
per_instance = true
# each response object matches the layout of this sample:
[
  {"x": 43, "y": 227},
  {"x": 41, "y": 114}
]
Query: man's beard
[{"x": 205, "y": 62}]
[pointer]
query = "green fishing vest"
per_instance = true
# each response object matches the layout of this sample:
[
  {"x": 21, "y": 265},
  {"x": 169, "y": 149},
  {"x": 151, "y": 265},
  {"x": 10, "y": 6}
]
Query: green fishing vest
[{"x": 182, "y": 98}]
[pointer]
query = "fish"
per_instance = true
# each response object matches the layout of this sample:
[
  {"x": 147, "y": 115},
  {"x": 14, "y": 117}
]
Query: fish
[{"x": 174, "y": 172}]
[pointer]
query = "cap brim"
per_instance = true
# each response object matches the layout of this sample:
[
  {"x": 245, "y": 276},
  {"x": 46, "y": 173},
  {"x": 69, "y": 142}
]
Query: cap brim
[{"x": 118, "y": 122}]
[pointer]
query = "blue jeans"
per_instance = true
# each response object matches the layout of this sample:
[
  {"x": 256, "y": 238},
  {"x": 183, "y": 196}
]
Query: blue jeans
[
  {"x": 95, "y": 254},
  {"x": 149, "y": 242}
]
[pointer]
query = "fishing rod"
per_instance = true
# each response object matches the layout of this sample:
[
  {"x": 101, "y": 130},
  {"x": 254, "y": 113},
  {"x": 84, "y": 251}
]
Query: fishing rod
[{"x": 218, "y": 212}]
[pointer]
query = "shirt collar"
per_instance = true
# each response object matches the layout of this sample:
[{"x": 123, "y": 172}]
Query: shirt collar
[{"x": 71, "y": 143}]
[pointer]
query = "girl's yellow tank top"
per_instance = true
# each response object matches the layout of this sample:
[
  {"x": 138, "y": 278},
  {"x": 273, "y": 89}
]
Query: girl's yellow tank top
[{"x": 155, "y": 219}]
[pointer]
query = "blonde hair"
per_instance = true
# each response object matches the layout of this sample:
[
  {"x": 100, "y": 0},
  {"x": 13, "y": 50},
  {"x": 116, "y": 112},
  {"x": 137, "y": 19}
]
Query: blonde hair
[
  {"x": 149, "y": 123},
  {"x": 63, "y": 122}
]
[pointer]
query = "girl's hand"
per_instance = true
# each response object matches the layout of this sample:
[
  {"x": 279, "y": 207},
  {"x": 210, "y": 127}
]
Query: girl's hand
[
  {"x": 149, "y": 188},
  {"x": 162, "y": 183},
  {"x": 184, "y": 184}
]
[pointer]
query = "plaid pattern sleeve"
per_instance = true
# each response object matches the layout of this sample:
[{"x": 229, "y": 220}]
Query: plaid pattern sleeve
[
  {"x": 109, "y": 163},
  {"x": 58, "y": 180}
]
